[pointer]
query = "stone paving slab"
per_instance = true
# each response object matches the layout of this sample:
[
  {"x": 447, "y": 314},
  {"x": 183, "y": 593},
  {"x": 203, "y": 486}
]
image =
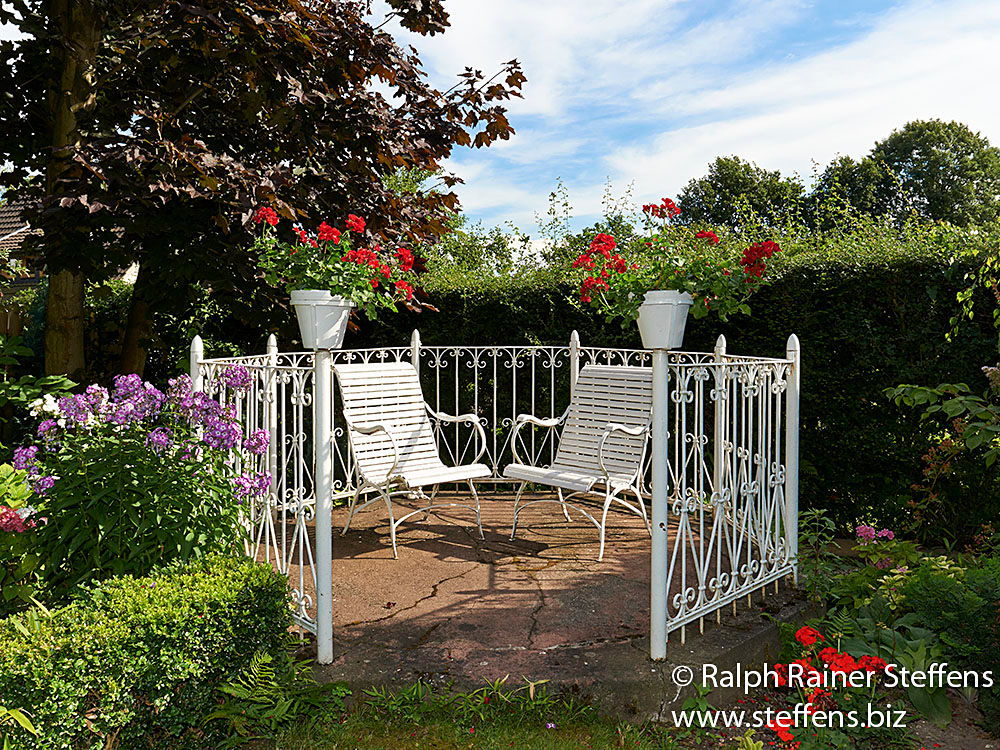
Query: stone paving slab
[{"x": 454, "y": 608}]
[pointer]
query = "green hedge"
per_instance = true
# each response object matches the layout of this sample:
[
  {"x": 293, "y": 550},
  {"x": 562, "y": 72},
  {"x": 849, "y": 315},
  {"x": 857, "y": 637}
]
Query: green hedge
[
  {"x": 134, "y": 662},
  {"x": 868, "y": 319}
]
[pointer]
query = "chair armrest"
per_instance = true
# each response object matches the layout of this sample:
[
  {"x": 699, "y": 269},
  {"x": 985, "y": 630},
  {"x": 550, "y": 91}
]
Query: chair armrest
[
  {"x": 612, "y": 428},
  {"x": 523, "y": 419},
  {"x": 371, "y": 429},
  {"x": 471, "y": 419}
]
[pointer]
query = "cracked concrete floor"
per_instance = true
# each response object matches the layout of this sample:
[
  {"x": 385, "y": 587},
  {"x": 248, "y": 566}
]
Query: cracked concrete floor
[{"x": 454, "y": 608}]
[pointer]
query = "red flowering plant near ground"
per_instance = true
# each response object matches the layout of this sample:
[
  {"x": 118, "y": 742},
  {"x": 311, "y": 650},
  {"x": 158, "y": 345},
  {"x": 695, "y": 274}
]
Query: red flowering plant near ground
[
  {"x": 827, "y": 682},
  {"x": 670, "y": 257},
  {"x": 334, "y": 260}
]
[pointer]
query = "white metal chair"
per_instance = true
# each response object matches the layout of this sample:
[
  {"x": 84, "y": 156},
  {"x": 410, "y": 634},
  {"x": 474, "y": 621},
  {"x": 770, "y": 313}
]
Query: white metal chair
[
  {"x": 392, "y": 441},
  {"x": 603, "y": 443}
]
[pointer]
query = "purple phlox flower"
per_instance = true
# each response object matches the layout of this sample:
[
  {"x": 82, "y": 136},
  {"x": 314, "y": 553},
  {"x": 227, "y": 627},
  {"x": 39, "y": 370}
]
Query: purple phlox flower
[
  {"x": 251, "y": 485},
  {"x": 46, "y": 426},
  {"x": 191, "y": 450},
  {"x": 178, "y": 388},
  {"x": 25, "y": 459},
  {"x": 865, "y": 534},
  {"x": 257, "y": 442},
  {"x": 236, "y": 378},
  {"x": 96, "y": 397},
  {"x": 550, "y": 725},
  {"x": 75, "y": 409},
  {"x": 886, "y": 534},
  {"x": 199, "y": 409},
  {"x": 127, "y": 387},
  {"x": 222, "y": 434},
  {"x": 41, "y": 485},
  {"x": 134, "y": 401},
  {"x": 158, "y": 439}
]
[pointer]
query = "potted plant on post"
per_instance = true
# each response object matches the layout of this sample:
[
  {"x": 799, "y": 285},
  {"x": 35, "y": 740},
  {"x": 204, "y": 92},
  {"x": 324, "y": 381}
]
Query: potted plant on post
[
  {"x": 327, "y": 277},
  {"x": 666, "y": 275}
]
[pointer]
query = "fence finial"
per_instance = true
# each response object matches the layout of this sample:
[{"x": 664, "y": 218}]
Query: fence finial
[
  {"x": 272, "y": 344},
  {"x": 415, "y": 350},
  {"x": 574, "y": 361},
  {"x": 720, "y": 346},
  {"x": 197, "y": 355}
]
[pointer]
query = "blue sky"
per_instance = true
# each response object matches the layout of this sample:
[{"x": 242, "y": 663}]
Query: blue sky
[{"x": 647, "y": 92}]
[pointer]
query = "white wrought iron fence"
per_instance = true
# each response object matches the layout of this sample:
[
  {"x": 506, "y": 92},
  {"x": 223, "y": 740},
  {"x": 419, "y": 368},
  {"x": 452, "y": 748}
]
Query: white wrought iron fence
[{"x": 727, "y": 432}]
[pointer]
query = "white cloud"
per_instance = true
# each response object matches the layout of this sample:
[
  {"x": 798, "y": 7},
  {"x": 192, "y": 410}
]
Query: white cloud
[{"x": 921, "y": 61}]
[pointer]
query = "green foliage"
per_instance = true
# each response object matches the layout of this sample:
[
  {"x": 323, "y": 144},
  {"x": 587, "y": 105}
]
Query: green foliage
[
  {"x": 530, "y": 702},
  {"x": 119, "y": 504},
  {"x": 19, "y": 559},
  {"x": 136, "y": 661},
  {"x": 272, "y": 693},
  {"x": 963, "y": 430},
  {"x": 818, "y": 560},
  {"x": 747, "y": 742},
  {"x": 17, "y": 393},
  {"x": 946, "y": 171},
  {"x": 15, "y": 716},
  {"x": 732, "y": 183}
]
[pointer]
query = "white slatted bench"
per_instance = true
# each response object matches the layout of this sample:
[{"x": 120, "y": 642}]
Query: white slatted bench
[
  {"x": 392, "y": 441},
  {"x": 602, "y": 446}
]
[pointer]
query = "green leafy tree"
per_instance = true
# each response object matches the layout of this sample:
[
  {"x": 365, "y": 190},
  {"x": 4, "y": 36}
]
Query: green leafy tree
[
  {"x": 157, "y": 128},
  {"x": 945, "y": 171},
  {"x": 732, "y": 184}
]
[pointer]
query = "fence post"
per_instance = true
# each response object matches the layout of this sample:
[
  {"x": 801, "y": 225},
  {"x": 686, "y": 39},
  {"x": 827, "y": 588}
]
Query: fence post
[
  {"x": 415, "y": 350},
  {"x": 272, "y": 413},
  {"x": 793, "y": 352},
  {"x": 719, "y": 435},
  {"x": 323, "y": 440},
  {"x": 197, "y": 355},
  {"x": 658, "y": 562},
  {"x": 574, "y": 361}
]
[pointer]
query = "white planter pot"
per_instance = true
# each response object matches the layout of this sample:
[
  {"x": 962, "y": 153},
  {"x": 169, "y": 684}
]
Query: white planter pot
[
  {"x": 322, "y": 317},
  {"x": 662, "y": 317}
]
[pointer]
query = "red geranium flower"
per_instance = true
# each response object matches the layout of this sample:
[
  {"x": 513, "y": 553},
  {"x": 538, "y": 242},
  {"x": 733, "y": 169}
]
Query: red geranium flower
[
  {"x": 326, "y": 233},
  {"x": 265, "y": 213},
  {"x": 708, "y": 234},
  {"x": 355, "y": 223},
  {"x": 808, "y": 636}
]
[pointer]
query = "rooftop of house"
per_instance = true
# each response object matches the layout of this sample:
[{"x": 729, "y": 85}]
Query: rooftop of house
[{"x": 13, "y": 230}]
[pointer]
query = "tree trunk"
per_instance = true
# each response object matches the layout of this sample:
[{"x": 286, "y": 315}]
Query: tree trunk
[
  {"x": 64, "y": 325},
  {"x": 76, "y": 48},
  {"x": 137, "y": 327}
]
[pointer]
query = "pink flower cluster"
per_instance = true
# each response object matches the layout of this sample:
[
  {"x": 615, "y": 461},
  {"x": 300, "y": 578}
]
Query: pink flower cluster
[
  {"x": 867, "y": 534},
  {"x": 16, "y": 521}
]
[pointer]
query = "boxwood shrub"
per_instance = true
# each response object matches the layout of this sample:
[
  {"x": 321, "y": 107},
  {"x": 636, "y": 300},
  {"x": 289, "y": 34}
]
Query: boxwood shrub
[{"x": 134, "y": 662}]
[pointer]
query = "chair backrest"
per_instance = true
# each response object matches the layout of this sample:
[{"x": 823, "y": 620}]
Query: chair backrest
[
  {"x": 607, "y": 394},
  {"x": 387, "y": 393}
]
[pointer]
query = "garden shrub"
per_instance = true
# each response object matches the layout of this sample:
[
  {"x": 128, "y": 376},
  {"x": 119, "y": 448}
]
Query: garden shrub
[
  {"x": 136, "y": 477},
  {"x": 135, "y": 662},
  {"x": 966, "y": 615}
]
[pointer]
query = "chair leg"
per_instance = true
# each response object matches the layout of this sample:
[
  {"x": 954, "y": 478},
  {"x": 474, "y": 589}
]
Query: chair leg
[
  {"x": 479, "y": 516},
  {"x": 434, "y": 491},
  {"x": 350, "y": 512},
  {"x": 517, "y": 498},
  {"x": 392, "y": 520},
  {"x": 608, "y": 497},
  {"x": 642, "y": 507},
  {"x": 565, "y": 510}
]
